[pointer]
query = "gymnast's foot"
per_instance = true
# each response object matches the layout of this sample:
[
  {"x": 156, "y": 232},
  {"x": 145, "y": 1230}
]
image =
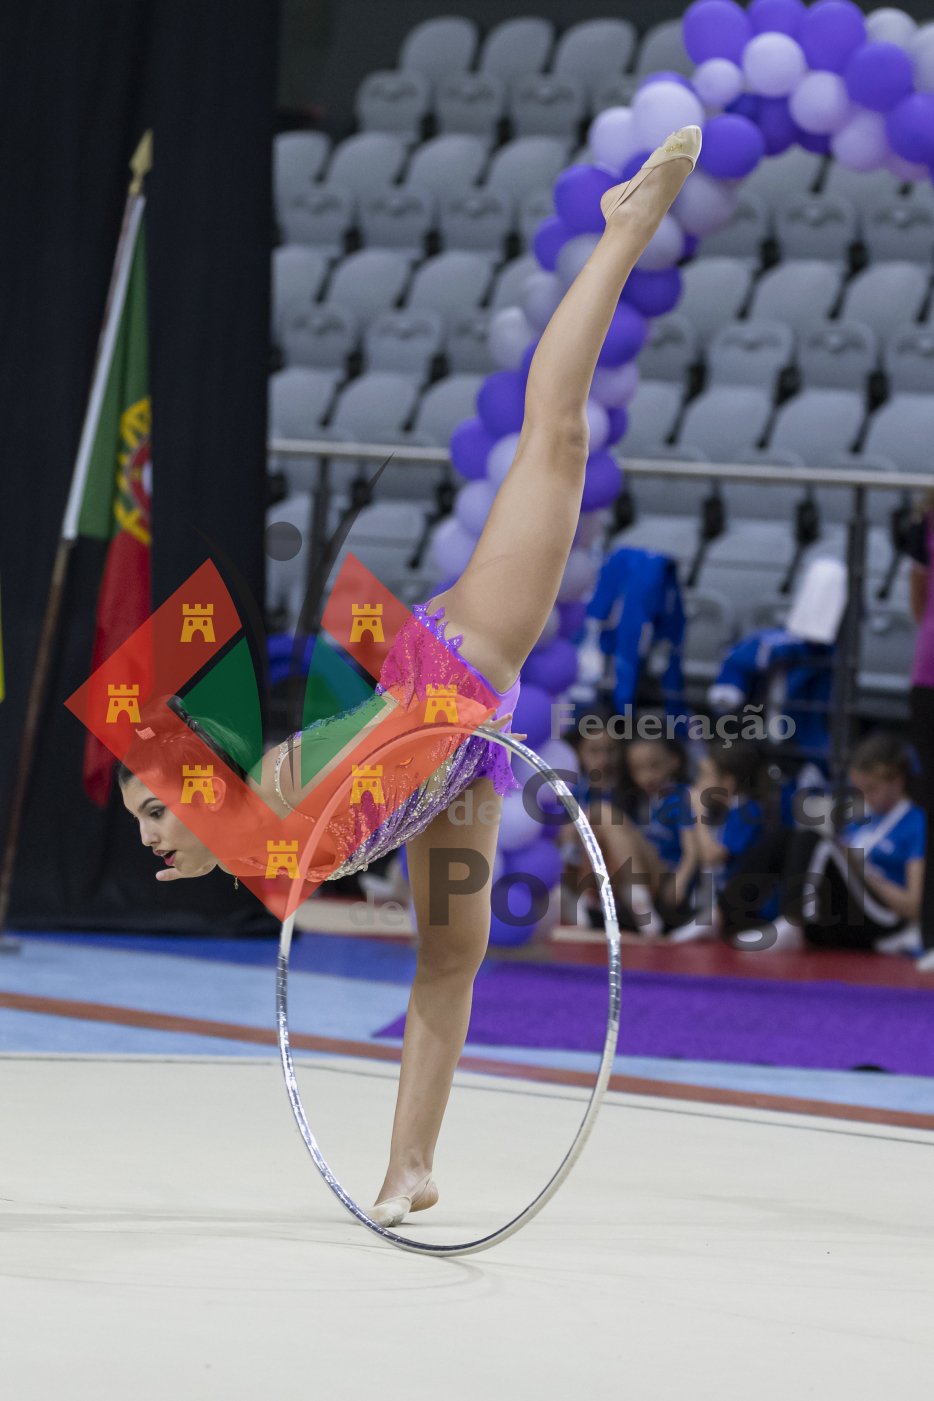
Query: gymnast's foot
[
  {"x": 393, "y": 1210},
  {"x": 662, "y": 174}
]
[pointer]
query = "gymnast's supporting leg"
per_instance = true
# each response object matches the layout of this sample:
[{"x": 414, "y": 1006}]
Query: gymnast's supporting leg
[{"x": 500, "y": 605}]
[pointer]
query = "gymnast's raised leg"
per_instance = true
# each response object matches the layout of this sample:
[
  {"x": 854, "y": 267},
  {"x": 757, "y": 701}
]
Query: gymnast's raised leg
[{"x": 500, "y": 605}]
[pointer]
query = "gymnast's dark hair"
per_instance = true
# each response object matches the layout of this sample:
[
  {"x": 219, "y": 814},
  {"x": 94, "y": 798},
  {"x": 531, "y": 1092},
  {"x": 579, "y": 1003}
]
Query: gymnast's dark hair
[
  {"x": 153, "y": 735},
  {"x": 883, "y": 751}
]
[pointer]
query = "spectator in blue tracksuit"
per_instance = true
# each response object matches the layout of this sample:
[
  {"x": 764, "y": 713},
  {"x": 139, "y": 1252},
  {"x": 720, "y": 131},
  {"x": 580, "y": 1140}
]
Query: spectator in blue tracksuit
[
  {"x": 636, "y": 604},
  {"x": 657, "y": 799}
]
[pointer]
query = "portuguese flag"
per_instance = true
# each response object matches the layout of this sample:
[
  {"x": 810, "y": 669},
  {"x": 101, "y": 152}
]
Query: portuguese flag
[{"x": 111, "y": 491}]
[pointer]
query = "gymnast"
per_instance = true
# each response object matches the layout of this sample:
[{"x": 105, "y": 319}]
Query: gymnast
[{"x": 496, "y": 612}]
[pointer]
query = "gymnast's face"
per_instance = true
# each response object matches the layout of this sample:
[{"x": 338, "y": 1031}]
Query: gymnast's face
[{"x": 160, "y": 829}]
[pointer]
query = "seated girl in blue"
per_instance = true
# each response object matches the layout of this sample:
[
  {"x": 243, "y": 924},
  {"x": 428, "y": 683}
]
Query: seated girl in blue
[{"x": 657, "y": 800}]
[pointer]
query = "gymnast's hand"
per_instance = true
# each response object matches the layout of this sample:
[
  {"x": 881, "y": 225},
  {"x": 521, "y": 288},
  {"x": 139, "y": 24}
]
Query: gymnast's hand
[{"x": 500, "y": 725}]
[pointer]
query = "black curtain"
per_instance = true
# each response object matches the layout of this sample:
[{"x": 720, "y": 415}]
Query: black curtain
[{"x": 78, "y": 86}]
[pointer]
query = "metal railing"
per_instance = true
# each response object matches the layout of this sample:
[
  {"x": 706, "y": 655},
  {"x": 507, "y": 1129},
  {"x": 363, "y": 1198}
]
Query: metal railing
[{"x": 859, "y": 480}]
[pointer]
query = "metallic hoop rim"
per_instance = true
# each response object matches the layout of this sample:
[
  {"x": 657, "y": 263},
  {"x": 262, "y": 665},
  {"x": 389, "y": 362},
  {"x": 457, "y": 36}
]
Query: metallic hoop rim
[{"x": 609, "y": 1046}]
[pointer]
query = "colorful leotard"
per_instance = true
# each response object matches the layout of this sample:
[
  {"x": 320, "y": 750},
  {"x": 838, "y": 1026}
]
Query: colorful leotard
[{"x": 373, "y": 828}]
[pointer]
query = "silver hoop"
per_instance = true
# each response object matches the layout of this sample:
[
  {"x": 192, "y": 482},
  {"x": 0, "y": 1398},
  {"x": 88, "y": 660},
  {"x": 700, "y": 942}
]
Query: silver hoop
[{"x": 609, "y": 1046}]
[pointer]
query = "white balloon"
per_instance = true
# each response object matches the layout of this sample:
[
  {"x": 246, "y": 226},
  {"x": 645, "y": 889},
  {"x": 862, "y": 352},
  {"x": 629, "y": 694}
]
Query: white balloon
[
  {"x": 660, "y": 109},
  {"x": 509, "y": 335},
  {"x": 905, "y": 170},
  {"x": 598, "y": 421},
  {"x": 614, "y": 388},
  {"x": 773, "y": 64},
  {"x": 704, "y": 204},
  {"x": 549, "y": 632},
  {"x": 580, "y": 574},
  {"x": 452, "y": 547},
  {"x": 574, "y": 255},
  {"x": 473, "y": 505},
  {"x": 541, "y": 293},
  {"x": 665, "y": 246},
  {"x": 612, "y": 138},
  {"x": 862, "y": 144},
  {"x": 517, "y": 827},
  {"x": 717, "y": 82},
  {"x": 891, "y": 27},
  {"x": 922, "y": 57},
  {"x": 499, "y": 459},
  {"x": 820, "y": 102}
]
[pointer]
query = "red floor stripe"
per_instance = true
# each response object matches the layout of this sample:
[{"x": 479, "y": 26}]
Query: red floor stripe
[{"x": 543, "y": 1074}]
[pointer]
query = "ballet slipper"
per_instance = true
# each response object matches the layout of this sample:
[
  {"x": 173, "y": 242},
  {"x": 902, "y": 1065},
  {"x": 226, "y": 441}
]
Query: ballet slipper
[
  {"x": 394, "y": 1211},
  {"x": 684, "y": 144}
]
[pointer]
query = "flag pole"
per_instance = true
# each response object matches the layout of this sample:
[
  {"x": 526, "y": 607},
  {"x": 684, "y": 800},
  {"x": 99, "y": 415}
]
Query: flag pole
[{"x": 140, "y": 164}]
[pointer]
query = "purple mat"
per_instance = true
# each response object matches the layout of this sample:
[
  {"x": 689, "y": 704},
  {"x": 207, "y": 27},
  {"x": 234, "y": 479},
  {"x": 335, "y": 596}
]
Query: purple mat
[{"x": 827, "y": 1025}]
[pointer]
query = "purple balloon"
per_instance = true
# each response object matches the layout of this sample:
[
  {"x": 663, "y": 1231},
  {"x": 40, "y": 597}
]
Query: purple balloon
[
  {"x": 831, "y": 31},
  {"x": 748, "y": 104},
  {"x": 624, "y": 339},
  {"x": 633, "y": 164},
  {"x": 733, "y": 146},
  {"x": 619, "y": 422},
  {"x": 470, "y": 448},
  {"x": 532, "y": 715},
  {"x": 550, "y": 237},
  {"x": 541, "y": 860},
  {"x": 715, "y": 29},
  {"x": 501, "y": 402},
  {"x": 509, "y": 936},
  {"x": 573, "y": 615},
  {"x": 554, "y": 668},
  {"x": 777, "y": 17},
  {"x": 878, "y": 76},
  {"x": 664, "y": 76},
  {"x": 779, "y": 128},
  {"x": 526, "y": 362},
  {"x": 691, "y": 245},
  {"x": 653, "y": 293},
  {"x": 602, "y": 481},
  {"x": 816, "y": 141},
  {"x": 910, "y": 128},
  {"x": 577, "y": 198}
]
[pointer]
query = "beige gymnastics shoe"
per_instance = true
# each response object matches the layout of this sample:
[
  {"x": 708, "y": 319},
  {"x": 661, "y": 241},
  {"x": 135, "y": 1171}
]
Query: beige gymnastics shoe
[
  {"x": 394, "y": 1211},
  {"x": 684, "y": 144}
]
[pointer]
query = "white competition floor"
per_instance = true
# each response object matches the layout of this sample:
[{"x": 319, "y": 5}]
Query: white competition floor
[{"x": 165, "y": 1237}]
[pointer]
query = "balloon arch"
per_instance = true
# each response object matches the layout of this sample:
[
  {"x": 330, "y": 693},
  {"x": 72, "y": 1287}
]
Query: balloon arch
[{"x": 824, "y": 77}]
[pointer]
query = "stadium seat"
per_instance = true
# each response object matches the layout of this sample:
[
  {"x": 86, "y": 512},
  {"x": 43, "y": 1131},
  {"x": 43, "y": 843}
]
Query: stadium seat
[
  {"x": 909, "y": 359},
  {"x": 299, "y": 400},
  {"x": 403, "y": 342},
  {"x": 744, "y": 235},
  {"x": 478, "y": 219},
  {"x": 902, "y": 230},
  {"x": 370, "y": 281},
  {"x": 886, "y": 295},
  {"x": 384, "y": 537},
  {"x": 517, "y": 46},
  {"x": 714, "y": 292},
  {"x": 534, "y": 206},
  {"x": 837, "y": 354},
  {"x": 322, "y": 336},
  {"x": 446, "y": 165},
  {"x": 391, "y": 101},
  {"x": 287, "y": 579},
  {"x": 467, "y": 344},
  {"x": 398, "y": 217},
  {"x": 527, "y": 164},
  {"x": 750, "y": 352},
  {"x": 792, "y": 173},
  {"x": 443, "y": 407},
  {"x": 367, "y": 161},
  {"x": 726, "y": 422},
  {"x": 470, "y": 104},
  {"x": 510, "y": 282},
  {"x": 902, "y": 431},
  {"x": 671, "y": 346},
  {"x": 594, "y": 51},
  {"x": 319, "y": 215},
  {"x": 438, "y": 47},
  {"x": 863, "y": 188},
  {"x": 818, "y": 424},
  {"x": 887, "y": 649},
  {"x": 298, "y": 158},
  {"x": 543, "y": 104},
  {"x": 710, "y": 629},
  {"x": 297, "y": 277},
  {"x": 663, "y": 49},
  {"x": 816, "y": 226},
  {"x": 796, "y": 292},
  {"x": 614, "y": 92},
  {"x": 653, "y": 412},
  {"x": 451, "y": 283},
  {"x": 374, "y": 408}
]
